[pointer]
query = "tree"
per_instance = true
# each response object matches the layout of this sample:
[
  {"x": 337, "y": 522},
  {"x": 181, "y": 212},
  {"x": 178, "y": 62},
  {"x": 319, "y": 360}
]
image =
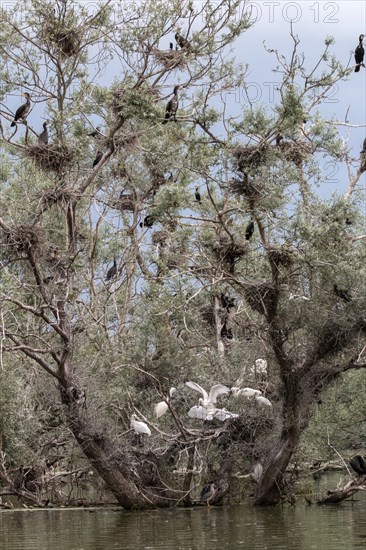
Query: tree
[{"x": 114, "y": 185}]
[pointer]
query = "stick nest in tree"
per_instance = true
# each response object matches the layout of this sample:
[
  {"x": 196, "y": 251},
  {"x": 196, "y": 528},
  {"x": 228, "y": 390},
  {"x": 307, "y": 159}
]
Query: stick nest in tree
[
  {"x": 261, "y": 297},
  {"x": 295, "y": 151},
  {"x": 171, "y": 58},
  {"x": 57, "y": 195},
  {"x": 226, "y": 250},
  {"x": 160, "y": 237},
  {"x": 24, "y": 238},
  {"x": 125, "y": 202},
  {"x": 250, "y": 189},
  {"x": 280, "y": 256},
  {"x": 54, "y": 158},
  {"x": 67, "y": 41},
  {"x": 251, "y": 156}
]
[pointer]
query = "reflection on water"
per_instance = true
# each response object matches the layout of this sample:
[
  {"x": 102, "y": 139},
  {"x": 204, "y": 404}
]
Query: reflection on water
[{"x": 236, "y": 527}]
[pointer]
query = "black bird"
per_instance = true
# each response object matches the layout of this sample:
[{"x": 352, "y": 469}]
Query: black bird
[
  {"x": 249, "y": 230},
  {"x": 363, "y": 147},
  {"x": 226, "y": 301},
  {"x": 171, "y": 45},
  {"x": 227, "y": 332},
  {"x": 97, "y": 158},
  {"x": 359, "y": 54},
  {"x": 112, "y": 271},
  {"x": 181, "y": 41},
  {"x": 342, "y": 293},
  {"x": 209, "y": 492},
  {"x": 148, "y": 221},
  {"x": 23, "y": 110},
  {"x": 279, "y": 138},
  {"x": 172, "y": 107},
  {"x": 96, "y": 133},
  {"x": 358, "y": 464},
  {"x": 347, "y": 221},
  {"x": 43, "y": 136},
  {"x": 197, "y": 195}
]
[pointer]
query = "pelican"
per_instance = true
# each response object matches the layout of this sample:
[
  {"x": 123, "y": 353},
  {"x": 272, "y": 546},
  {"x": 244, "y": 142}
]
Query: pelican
[
  {"x": 209, "y": 400},
  {"x": 162, "y": 407},
  {"x": 245, "y": 392},
  {"x": 263, "y": 401},
  {"x": 139, "y": 427}
]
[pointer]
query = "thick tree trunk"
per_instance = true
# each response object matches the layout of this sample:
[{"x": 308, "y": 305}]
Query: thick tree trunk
[{"x": 269, "y": 490}]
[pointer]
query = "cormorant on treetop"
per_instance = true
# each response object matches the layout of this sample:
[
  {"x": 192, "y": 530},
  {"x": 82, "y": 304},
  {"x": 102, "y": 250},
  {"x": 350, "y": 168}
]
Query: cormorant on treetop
[
  {"x": 112, "y": 271},
  {"x": 249, "y": 230},
  {"x": 359, "y": 54},
  {"x": 172, "y": 107},
  {"x": 197, "y": 195},
  {"x": 342, "y": 293},
  {"x": 171, "y": 46},
  {"x": 43, "y": 136},
  {"x": 181, "y": 41},
  {"x": 23, "y": 110}
]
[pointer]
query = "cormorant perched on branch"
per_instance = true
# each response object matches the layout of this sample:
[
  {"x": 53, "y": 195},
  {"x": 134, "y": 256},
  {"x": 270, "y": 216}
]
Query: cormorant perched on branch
[
  {"x": 342, "y": 293},
  {"x": 197, "y": 195},
  {"x": 359, "y": 54},
  {"x": 181, "y": 41},
  {"x": 95, "y": 133},
  {"x": 112, "y": 271},
  {"x": 97, "y": 158},
  {"x": 279, "y": 138},
  {"x": 171, "y": 46},
  {"x": 358, "y": 464},
  {"x": 43, "y": 136},
  {"x": 172, "y": 107},
  {"x": 23, "y": 110},
  {"x": 249, "y": 230},
  {"x": 363, "y": 147},
  {"x": 148, "y": 221}
]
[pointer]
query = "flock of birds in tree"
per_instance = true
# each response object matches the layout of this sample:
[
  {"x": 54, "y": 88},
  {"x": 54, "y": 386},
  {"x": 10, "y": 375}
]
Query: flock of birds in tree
[{"x": 207, "y": 409}]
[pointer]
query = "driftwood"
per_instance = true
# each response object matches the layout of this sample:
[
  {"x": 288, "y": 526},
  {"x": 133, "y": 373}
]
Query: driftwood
[{"x": 343, "y": 493}]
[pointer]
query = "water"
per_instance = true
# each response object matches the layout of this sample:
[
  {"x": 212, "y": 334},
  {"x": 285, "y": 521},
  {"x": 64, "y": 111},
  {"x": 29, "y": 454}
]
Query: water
[{"x": 236, "y": 527}]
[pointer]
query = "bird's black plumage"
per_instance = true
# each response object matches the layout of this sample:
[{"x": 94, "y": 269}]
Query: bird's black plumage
[
  {"x": 172, "y": 107},
  {"x": 197, "y": 195},
  {"x": 279, "y": 138},
  {"x": 342, "y": 293},
  {"x": 171, "y": 46},
  {"x": 249, "y": 230},
  {"x": 23, "y": 110},
  {"x": 97, "y": 158},
  {"x": 112, "y": 271},
  {"x": 43, "y": 136},
  {"x": 363, "y": 147},
  {"x": 95, "y": 133},
  {"x": 358, "y": 464},
  {"x": 181, "y": 41},
  {"x": 148, "y": 221},
  {"x": 359, "y": 54},
  {"x": 226, "y": 301}
]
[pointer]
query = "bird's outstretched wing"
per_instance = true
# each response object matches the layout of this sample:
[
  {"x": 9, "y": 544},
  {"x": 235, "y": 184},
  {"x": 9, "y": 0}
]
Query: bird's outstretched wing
[
  {"x": 197, "y": 387},
  {"x": 215, "y": 391}
]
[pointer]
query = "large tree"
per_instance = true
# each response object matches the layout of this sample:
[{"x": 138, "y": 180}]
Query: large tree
[{"x": 117, "y": 282}]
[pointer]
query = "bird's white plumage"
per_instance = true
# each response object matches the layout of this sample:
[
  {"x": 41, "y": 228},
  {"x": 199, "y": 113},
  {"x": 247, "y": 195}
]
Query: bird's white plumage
[
  {"x": 139, "y": 427},
  {"x": 261, "y": 366},
  {"x": 209, "y": 400},
  {"x": 263, "y": 401},
  {"x": 245, "y": 392},
  {"x": 162, "y": 407},
  {"x": 223, "y": 414},
  {"x": 197, "y": 412}
]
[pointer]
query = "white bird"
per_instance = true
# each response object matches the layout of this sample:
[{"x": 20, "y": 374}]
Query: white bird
[
  {"x": 209, "y": 400},
  {"x": 197, "y": 412},
  {"x": 223, "y": 414},
  {"x": 162, "y": 407},
  {"x": 245, "y": 392},
  {"x": 139, "y": 427},
  {"x": 263, "y": 401}
]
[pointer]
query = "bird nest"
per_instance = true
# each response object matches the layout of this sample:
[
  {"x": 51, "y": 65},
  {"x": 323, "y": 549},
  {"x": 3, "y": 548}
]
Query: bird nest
[
  {"x": 52, "y": 157},
  {"x": 227, "y": 250},
  {"x": 126, "y": 202},
  {"x": 261, "y": 297},
  {"x": 280, "y": 256},
  {"x": 245, "y": 187},
  {"x": 24, "y": 238},
  {"x": 251, "y": 156},
  {"x": 67, "y": 41},
  {"x": 296, "y": 152},
  {"x": 160, "y": 237},
  {"x": 171, "y": 58},
  {"x": 57, "y": 195}
]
